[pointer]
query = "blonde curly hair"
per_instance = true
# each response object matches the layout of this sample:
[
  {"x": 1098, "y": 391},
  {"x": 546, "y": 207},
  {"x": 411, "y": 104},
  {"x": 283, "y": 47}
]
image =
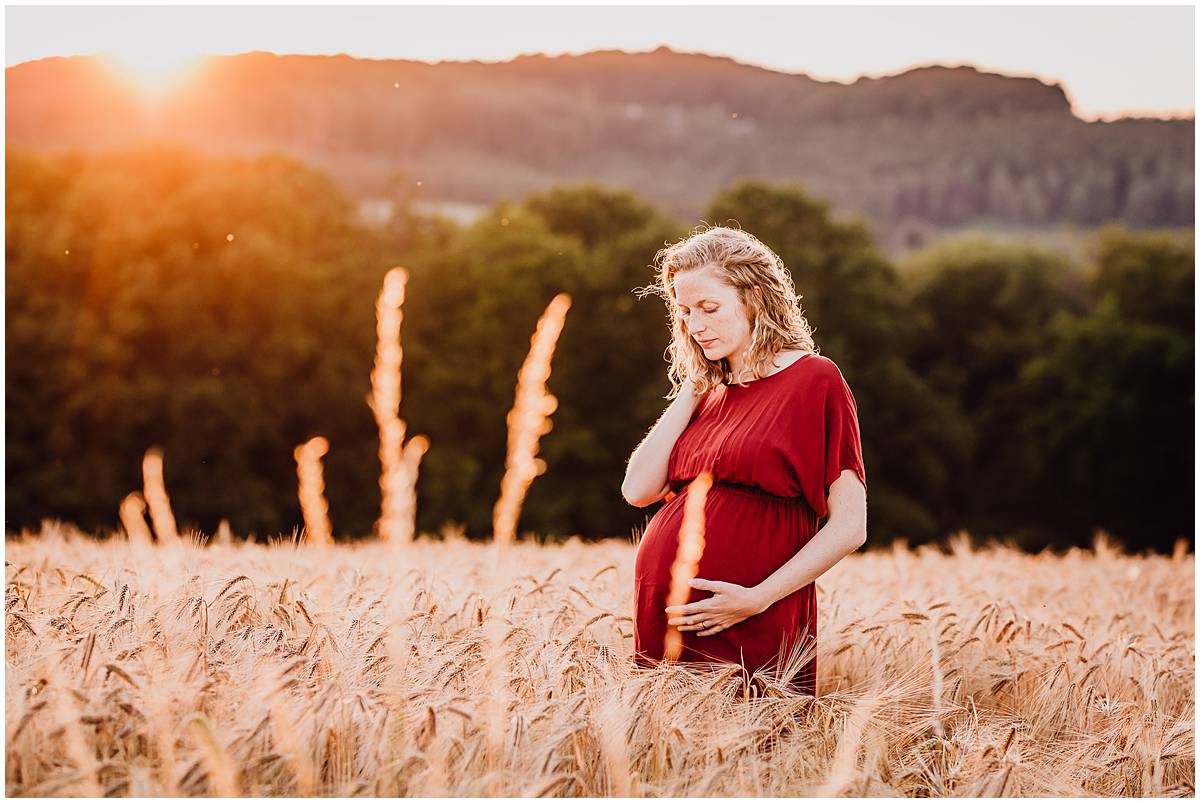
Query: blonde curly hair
[{"x": 764, "y": 287}]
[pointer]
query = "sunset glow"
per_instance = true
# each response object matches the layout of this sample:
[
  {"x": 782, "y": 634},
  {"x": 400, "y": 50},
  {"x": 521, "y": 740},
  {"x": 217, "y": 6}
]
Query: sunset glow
[
  {"x": 1112, "y": 60},
  {"x": 155, "y": 69}
]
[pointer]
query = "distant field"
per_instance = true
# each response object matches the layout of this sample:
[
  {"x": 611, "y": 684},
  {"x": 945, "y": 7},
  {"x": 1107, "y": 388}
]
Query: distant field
[{"x": 443, "y": 669}]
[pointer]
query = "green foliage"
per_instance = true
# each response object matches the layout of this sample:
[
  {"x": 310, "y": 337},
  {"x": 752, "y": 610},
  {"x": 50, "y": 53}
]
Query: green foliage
[
  {"x": 853, "y": 299},
  {"x": 1061, "y": 391},
  {"x": 159, "y": 297},
  {"x": 1001, "y": 389},
  {"x": 473, "y": 312},
  {"x": 1110, "y": 402},
  {"x": 978, "y": 310}
]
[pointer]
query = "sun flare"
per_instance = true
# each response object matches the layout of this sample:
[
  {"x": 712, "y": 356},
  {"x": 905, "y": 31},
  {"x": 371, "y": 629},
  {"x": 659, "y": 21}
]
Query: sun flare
[{"x": 156, "y": 70}]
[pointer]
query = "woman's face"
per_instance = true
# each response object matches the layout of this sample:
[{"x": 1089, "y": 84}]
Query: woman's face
[{"x": 712, "y": 313}]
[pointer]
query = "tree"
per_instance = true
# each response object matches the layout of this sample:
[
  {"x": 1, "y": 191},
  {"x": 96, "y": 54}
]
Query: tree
[
  {"x": 852, "y": 298},
  {"x": 475, "y": 307},
  {"x": 1109, "y": 402},
  {"x": 159, "y": 297},
  {"x": 979, "y": 310}
]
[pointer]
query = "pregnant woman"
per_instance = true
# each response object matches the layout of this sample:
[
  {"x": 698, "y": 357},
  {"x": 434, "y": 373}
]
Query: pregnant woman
[{"x": 776, "y": 426}]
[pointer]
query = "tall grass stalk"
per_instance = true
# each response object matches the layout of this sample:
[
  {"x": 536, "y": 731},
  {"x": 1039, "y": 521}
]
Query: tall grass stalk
[
  {"x": 528, "y": 420},
  {"x": 398, "y": 460},
  {"x": 155, "y": 492},
  {"x": 222, "y": 777},
  {"x": 687, "y": 557},
  {"x": 312, "y": 491},
  {"x": 67, "y": 714},
  {"x": 844, "y": 766},
  {"x": 133, "y": 519}
]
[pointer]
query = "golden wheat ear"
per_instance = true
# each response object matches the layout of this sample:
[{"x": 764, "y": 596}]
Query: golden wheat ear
[
  {"x": 312, "y": 491},
  {"x": 155, "y": 492},
  {"x": 133, "y": 519},
  {"x": 687, "y": 558},
  {"x": 528, "y": 420},
  {"x": 398, "y": 461}
]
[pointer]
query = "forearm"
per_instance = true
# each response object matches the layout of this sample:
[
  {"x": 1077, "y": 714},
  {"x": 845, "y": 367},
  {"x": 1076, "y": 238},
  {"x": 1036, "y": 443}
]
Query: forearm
[
  {"x": 834, "y": 541},
  {"x": 647, "y": 469}
]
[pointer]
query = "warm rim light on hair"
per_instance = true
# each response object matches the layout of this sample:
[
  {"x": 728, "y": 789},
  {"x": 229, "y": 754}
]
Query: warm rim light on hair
[{"x": 765, "y": 289}]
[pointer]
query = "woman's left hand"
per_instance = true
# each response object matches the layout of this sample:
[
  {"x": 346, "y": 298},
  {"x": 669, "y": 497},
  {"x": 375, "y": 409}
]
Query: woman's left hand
[{"x": 729, "y": 604}]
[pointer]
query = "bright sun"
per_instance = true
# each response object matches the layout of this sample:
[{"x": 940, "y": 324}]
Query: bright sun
[{"x": 155, "y": 70}]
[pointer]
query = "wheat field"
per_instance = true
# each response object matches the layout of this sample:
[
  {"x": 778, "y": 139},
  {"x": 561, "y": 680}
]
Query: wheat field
[
  {"x": 449, "y": 667},
  {"x": 161, "y": 663}
]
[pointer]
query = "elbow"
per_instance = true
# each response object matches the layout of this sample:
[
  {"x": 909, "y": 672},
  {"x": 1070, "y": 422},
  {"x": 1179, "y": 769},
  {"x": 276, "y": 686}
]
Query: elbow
[
  {"x": 858, "y": 535},
  {"x": 853, "y": 534},
  {"x": 859, "y": 540},
  {"x": 637, "y": 499}
]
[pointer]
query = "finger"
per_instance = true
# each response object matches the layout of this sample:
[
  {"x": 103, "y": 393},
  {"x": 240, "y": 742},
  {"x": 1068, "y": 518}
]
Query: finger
[
  {"x": 710, "y": 585},
  {"x": 712, "y": 631},
  {"x": 690, "y": 609},
  {"x": 686, "y": 609}
]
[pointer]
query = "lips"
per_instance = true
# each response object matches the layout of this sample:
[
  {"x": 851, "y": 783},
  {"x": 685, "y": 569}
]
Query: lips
[{"x": 706, "y": 343}]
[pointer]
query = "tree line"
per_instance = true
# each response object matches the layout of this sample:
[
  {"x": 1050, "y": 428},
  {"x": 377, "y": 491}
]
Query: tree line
[
  {"x": 930, "y": 148},
  {"x": 223, "y": 309}
]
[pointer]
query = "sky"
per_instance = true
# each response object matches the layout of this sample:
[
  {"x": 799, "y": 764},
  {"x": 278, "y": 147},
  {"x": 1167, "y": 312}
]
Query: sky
[{"x": 1111, "y": 60}]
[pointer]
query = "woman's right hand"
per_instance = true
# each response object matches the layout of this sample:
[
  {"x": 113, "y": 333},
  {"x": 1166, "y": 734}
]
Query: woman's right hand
[
  {"x": 689, "y": 392},
  {"x": 646, "y": 473}
]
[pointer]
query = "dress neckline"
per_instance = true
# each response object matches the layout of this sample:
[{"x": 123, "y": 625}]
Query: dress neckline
[{"x": 800, "y": 359}]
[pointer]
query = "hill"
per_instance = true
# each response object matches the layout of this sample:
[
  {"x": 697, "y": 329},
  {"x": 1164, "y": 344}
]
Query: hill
[{"x": 930, "y": 149}]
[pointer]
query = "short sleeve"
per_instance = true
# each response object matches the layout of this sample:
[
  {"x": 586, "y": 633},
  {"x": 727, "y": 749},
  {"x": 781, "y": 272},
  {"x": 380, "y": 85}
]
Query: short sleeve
[{"x": 833, "y": 441}]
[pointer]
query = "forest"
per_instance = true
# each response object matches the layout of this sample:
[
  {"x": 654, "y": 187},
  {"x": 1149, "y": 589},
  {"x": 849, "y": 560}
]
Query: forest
[
  {"x": 222, "y": 308},
  {"x": 928, "y": 150}
]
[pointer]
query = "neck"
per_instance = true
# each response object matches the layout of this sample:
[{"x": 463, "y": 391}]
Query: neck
[{"x": 737, "y": 364}]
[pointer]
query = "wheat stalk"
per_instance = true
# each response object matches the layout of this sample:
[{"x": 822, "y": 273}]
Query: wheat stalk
[
  {"x": 842, "y": 768},
  {"x": 528, "y": 420},
  {"x": 935, "y": 666},
  {"x": 399, "y": 461},
  {"x": 224, "y": 535},
  {"x": 687, "y": 557},
  {"x": 611, "y": 722},
  {"x": 222, "y": 776},
  {"x": 272, "y": 687},
  {"x": 133, "y": 519},
  {"x": 312, "y": 490},
  {"x": 75, "y": 743},
  {"x": 155, "y": 492}
]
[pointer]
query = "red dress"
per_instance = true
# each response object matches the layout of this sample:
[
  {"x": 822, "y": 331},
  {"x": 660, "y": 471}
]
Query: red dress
[{"x": 774, "y": 447}]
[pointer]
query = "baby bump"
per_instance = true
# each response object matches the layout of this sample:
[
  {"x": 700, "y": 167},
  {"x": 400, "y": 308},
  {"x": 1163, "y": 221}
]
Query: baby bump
[{"x": 748, "y": 534}]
